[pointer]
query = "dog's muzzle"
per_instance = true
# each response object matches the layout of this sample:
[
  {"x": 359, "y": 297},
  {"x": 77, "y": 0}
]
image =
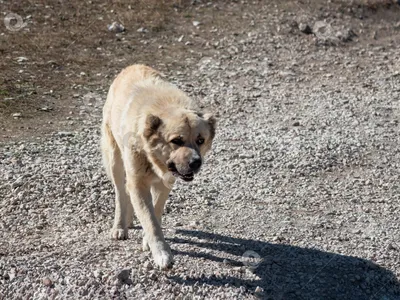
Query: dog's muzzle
[{"x": 188, "y": 174}]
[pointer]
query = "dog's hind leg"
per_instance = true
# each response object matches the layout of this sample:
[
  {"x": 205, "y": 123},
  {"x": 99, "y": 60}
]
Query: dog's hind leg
[{"x": 115, "y": 169}]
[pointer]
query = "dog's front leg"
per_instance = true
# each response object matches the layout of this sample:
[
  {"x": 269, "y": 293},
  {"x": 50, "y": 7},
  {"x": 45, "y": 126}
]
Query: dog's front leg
[
  {"x": 139, "y": 190},
  {"x": 159, "y": 194}
]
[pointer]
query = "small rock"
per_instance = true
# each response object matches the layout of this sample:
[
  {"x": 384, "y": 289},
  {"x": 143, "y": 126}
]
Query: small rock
[
  {"x": 324, "y": 33},
  {"x": 45, "y": 108},
  {"x": 245, "y": 155},
  {"x": 346, "y": 35},
  {"x": 47, "y": 282},
  {"x": 12, "y": 275},
  {"x": 237, "y": 197},
  {"x": 180, "y": 39},
  {"x": 17, "y": 183},
  {"x": 194, "y": 223},
  {"x": 147, "y": 265},
  {"x": 17, "y": 115},
  {"x": 153, "y": 276},
  {"x": 196, "y": 23},
  {"x": 390, "y": 247},
  {"x": 258, "y": 290},
  {"x": 305, "y": 28},
  {"x": 21, "y": 59},
  {"x": 124, "y": 274},
  {"x": 97, "y": 273},
  {"x": 250, "y": 271},
  {"x": 297, "y": 123},
  {"x": 321, "y": 27},
  {"x": 64, "y": 133},
  {"x": 142, "y": 30},
  {"x": 116, "y": 27},
  {"x": 287, "y": 74}
]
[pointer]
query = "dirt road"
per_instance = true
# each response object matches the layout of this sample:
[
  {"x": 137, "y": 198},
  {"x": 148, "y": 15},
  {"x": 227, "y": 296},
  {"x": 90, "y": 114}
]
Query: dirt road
[{"x": 300, "y": 197}]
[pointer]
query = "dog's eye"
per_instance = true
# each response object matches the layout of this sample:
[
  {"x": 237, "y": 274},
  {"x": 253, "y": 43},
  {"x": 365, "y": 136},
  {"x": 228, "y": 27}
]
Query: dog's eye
[
  {"x": 200, "y": 141},
  {"x": 177, "y": 142}
]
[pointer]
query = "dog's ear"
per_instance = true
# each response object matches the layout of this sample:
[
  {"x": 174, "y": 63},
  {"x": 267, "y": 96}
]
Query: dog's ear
[
  {"x": 212, "y": 123},
  {"x": 151, "y": 126}
]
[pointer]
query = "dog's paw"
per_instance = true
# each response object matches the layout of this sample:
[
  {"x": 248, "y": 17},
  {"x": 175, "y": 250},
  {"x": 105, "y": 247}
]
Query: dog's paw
[
  {"x": 119, "y": 233},
  {"x": 145, "y": 244},
  {"x": 163, "y": 259},
  {"x": 162, "y": 255}
]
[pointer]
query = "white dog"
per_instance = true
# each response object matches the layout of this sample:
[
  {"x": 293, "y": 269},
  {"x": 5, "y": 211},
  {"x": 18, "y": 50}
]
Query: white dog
[{"x": 152, "y": 132}]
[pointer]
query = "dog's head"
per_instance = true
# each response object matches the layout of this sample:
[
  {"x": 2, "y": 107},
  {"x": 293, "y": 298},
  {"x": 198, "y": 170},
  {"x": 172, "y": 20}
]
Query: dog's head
[{"x": 177, "y": 142}]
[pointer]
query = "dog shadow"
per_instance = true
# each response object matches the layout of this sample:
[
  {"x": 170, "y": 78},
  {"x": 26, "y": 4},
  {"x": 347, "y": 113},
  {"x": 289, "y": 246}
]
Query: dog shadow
[{"x": 289, "y": 272}]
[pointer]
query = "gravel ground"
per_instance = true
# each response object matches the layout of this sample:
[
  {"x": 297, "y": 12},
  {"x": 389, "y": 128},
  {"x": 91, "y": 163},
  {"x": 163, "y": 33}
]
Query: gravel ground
[{"x": 299, "y": 198}]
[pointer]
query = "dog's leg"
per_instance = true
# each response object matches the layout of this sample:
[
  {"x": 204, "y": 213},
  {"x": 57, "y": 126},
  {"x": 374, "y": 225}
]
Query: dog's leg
[
  {"x": 159, "y": 193},
  {"x": 129, "y": 214},
  {"x": 121, "y": 221},
  {"x": 139, "y": 191},
  {"x": 115, "y": 169}
]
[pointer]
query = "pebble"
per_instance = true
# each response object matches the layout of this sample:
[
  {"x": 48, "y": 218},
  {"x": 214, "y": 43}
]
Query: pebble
[
  {"x": 116, "y": 27},
  {"x": 194, "y": 223},
  {"x": 305, "y": 28},
  {"x": 124, "y": 274},
  {"x": 47, "y": 282},
  {"x": 148, "y": 265},
  {"x": 98, "y": 273},
  {"x": 22, "y": 59},
  {"x": 142, "y": 30},
  {"x": 65, "y": 133}
]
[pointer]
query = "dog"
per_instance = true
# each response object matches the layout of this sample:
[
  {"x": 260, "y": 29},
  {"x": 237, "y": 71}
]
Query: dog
[{"x": 151, "y": 134}]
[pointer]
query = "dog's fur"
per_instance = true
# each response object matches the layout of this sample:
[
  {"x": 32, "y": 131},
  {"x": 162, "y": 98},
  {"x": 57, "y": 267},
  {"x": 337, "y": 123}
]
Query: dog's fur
[{"x": 152, "y": 132}]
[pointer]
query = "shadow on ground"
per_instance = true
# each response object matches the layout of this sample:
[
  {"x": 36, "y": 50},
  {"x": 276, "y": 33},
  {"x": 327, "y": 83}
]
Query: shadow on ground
[{"x": 288, "y": 272}]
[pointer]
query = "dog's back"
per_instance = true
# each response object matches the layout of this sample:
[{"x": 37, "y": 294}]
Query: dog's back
[{"x": 121, "y": 89}]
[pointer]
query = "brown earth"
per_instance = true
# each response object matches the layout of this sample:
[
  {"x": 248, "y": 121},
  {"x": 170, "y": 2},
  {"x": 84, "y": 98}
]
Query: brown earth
[{"x": 68, "y": 52}]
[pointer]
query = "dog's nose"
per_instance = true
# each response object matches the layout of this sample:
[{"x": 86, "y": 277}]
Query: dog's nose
[{"x": 195, "y": 164}]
